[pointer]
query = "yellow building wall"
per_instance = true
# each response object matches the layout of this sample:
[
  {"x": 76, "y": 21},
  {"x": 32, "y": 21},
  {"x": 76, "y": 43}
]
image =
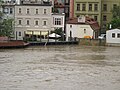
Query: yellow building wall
[{"x": 100, "y": 13}]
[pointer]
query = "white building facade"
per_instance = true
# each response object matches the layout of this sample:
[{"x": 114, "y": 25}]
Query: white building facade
[
  {"x": 8, "y": 10},
  {"x": 32, "y": 19},
  {"x": 58, "y": 21},
  {"x": 113, "y": 37}
]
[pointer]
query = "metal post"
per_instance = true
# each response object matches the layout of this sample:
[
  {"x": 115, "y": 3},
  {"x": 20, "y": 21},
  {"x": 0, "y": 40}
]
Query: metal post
[
  {"x": 32, "y": 36},
  {"x": 16, "y": 35},
  {"x": 48, "y": 36},
  {"x": 40, "y": 36}
]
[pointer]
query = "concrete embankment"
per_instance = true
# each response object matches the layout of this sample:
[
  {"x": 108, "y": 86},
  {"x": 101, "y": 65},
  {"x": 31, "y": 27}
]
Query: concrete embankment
[{"x": 92, "y": 42}]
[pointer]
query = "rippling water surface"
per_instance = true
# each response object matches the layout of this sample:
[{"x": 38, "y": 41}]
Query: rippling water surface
[{"x": 60, "y": 68}]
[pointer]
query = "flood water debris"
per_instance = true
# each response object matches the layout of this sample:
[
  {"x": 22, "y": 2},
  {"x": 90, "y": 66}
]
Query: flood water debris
[{"x": 60, "y": 68}]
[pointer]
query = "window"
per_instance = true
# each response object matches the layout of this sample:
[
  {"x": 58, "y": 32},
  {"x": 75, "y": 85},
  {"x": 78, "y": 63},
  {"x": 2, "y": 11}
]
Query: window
[
  {"x": 70, "y": 26},
  {"x": 104, "y": 7},
  {"x": 44, "y": 23},
  {"x": 36, "y": 11},
  {"x": 45, "y": 11},
  {"x": 66, "y": 1},
  {"x": 95, "y": 18},
  {"x": 28, "y": 11},
  {"x": 90, "y": 7},
  {"x": 118, "y": 35},
  {"x": 11, "y": 10},
  {"x": 6, "y": 10},
  {"x": 104, "y": 18},
  {"x": 28, "y": 22},
  {"x": 83, "y": 7},
  {"x": 96, "y": 7},
  {"x": 36, "y": 22},
  {"x": 19, "y": 10},
  {"x": 19, "y": 22},
  {"x": 78, "y": 7},
  {"x": 84, "y": 30},
  {"x": 114, "y": 6},
  {"x": 113, "y": 35},
  {"x": 57, "y": 21},
  {"x": 19, "y": 33}
]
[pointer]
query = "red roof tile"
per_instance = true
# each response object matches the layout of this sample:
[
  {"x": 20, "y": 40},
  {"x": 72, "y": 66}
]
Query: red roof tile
[{"x": 88, "y": 21}]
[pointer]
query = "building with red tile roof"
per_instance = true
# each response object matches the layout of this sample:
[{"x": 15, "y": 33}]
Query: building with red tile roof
[{"x": 82, "y": 27}]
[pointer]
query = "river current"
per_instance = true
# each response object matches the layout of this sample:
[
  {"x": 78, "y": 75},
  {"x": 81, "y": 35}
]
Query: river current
[{"x": 71, "y": 67}]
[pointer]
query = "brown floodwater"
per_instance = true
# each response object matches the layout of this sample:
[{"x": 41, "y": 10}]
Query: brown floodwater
[{"x": 60, "y": 68}]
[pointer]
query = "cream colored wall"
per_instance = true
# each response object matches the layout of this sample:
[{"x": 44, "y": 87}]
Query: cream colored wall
[
  {"x": 32, "y": 17},
  {"x": 78, "y": 31}
]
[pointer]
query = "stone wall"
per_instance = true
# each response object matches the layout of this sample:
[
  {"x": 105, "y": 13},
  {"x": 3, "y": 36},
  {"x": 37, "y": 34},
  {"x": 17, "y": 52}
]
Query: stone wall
[{"x": 92, "y": 42}]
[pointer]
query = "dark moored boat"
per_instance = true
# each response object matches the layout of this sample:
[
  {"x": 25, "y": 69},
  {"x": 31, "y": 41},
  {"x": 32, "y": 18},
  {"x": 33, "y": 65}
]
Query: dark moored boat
[{"x": 13, "y": 44}]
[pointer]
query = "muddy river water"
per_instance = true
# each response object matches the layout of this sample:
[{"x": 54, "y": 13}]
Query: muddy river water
[{"x": 60, "y": 68}]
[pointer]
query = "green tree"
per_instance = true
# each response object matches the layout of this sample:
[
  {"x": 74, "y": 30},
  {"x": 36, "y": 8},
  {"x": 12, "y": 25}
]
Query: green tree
[
  {"x": 6, "y": 27},
  {"x": 1, "y": 24},
  {"x": 116, "y": 12},
  {"x": 115, "y": 22}
]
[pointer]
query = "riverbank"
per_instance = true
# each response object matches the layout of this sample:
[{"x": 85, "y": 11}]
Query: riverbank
[
  {"x": 22, "y": 44},
  {"x": 92, "y": 42}
]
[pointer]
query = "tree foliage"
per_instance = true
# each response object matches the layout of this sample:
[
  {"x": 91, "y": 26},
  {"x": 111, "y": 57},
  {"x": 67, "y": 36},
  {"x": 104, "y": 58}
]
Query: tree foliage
[
  {"x": 116, "y": 12},
  {"x": 115, "y": 22},
  {"x": 6, "y": 26}
]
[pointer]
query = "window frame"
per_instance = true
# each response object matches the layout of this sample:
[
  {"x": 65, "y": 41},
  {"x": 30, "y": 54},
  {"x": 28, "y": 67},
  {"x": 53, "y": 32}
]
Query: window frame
[
  {"x": 28, "y": 22},
  {"x": 11, "y": 10},
  {"x": 83, "y": 7},
  {"x": 20, "y": 34},
  {"x": 118, "y": 35},
  {"x": 36, "y": 11},
  {"x": 95, "y": 7},
  {"x": 27, "y": 11},
  {"x": 96, "y": 17},
  {"x": 44, "y": 23},
  {"x": 45, "y": 11},
  {"x": 104, "y": 7},
  {"x": 113, "y": 35},
  {"x": 84, "y": 31},
  {"x": 19, "y": 22},
  {"x": 58, "y": 21},
  {"x": 19, "y": 10},
  {"x": 90, "y": 7},
  {"x": 36, "y": 22},
  {"x": 78, "y": 7},
  {"x": 114, "y": 6},
  {"x": 104, "y": 17}
]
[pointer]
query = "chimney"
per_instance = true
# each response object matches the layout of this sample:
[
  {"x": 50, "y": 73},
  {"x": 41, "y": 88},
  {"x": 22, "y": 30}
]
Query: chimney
[{"x": 71, "y": 9}]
